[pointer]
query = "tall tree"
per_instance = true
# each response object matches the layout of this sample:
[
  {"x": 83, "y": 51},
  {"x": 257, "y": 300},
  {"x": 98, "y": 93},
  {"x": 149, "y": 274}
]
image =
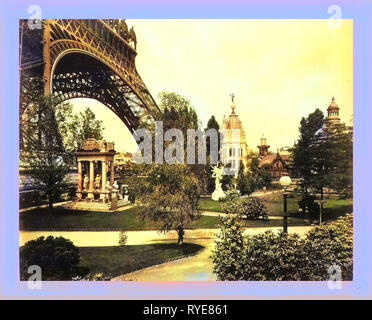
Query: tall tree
[
  {"x": 169, "y": 194},
  {"x": 177, "y": 112},
  {"x": 82, "y": 126},
  {"x": 208, "y": 170},
  {"x": 322, "y": 157},
  {"x": 304, "y": 152},
  {"x": 44, "y": 155}
]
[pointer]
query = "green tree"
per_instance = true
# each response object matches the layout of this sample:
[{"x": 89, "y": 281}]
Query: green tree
[
  {"x": 255, "y": 178},
  {"x": 169, "y": 194},
  {"x": 210, "y": 182},
  {"x": 44, "y": 155},
  {"x": 50, "y": 135},
  {"x": 304, "y": 151},
  {"x": 322, "y": 157},
  {"x": 177, "y": 112},
  {"x": 83, "y": 126}
]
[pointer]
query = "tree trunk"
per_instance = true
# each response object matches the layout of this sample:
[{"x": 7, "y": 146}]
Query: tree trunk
[
  {"x": 50, "y": 205},
  {"x": 181, "y": 233}
]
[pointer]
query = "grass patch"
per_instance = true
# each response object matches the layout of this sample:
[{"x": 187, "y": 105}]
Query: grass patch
[
  {"x": 210, "y": 205},
  {"x": 115, "y": 261},
  {"x": 333, "y": 209},
  {"x": 68, "y": 220}
]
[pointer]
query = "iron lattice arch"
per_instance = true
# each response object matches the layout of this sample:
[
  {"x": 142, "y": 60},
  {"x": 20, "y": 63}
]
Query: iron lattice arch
[{"x": 86, "y": 58}]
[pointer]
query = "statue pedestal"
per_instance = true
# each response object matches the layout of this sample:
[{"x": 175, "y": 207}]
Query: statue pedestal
[{"x": 218, "y": 194}]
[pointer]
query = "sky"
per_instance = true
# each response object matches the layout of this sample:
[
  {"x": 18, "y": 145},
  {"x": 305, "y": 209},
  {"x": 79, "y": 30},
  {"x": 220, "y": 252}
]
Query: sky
[{"x": 279, "y": 71}]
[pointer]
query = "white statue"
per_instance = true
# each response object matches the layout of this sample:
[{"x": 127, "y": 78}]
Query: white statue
[
  {"x": 86, "y": 182},
  {"x": 115, "y": 186},
  {"x": 218, "y": 192},
  {"x": 115, "y": 189}
]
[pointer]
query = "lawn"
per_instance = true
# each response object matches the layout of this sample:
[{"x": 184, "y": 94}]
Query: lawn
[
  {"x": 67, "y": 220},
  {"x": 115, "y": 261},
  {"x": 274, "y": 203},
  {"x": 210, "y": 205}
]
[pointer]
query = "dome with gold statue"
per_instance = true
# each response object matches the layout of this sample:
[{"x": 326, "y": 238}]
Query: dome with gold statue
[{"x": 234, "y": 147}]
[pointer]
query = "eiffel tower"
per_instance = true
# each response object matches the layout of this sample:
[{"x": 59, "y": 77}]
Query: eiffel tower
[{"x": 87, "y": 59}]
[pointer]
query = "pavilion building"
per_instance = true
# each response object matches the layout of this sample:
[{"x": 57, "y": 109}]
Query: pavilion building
[
  {"x": 96, "y": 189},
  {"x": 234, "y": 148}
]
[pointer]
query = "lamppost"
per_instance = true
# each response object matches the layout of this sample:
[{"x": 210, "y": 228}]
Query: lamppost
[
  {"x": 321, "y": 203},
  {"x": 285, "y": 181}
]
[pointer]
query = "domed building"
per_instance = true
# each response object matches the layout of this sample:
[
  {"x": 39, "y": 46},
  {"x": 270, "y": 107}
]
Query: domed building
[
  {"x": 333, "y": 113},
  {"x": 234, "y": 148}
]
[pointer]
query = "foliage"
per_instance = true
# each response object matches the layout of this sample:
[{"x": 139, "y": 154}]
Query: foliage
[
  {"x": 231, "y": 201},
  {"x": 328, "y": 245},
  {"x": 123, "y": 237},
  {"x": 308, "y": 201},
  {"x": 50, "y": 135},
  {"x": 279, "y": 256},
  {"x": 169, "y": 194},
  {"x": 44, "y": 154},
  {"x": 253, "y": 208},
  {"x": 55, "y": 256},
  {"x": 250, "y": 208},
  {"x": 270, "y": 256},
  {"x": 322, "y": 157},
  {"x": 229, "y": 250},
  {"x": 81, "y": 127},
  {"x": 177, "y": 112},
  {"x": 255, "y": 178},
  {"x": 210, "y": 181}
]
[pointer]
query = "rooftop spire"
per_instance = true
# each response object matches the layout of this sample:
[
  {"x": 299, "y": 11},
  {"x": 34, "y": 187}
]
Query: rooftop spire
[{"x": 232, "y": 102}]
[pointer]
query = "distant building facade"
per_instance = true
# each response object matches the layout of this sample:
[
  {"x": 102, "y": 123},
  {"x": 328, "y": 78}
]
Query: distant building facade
[
  {"x": 122, "y": 158},
  {"x": 234, "y": 147},
  {"x": 263, "y": 148},
  {"x": 333, "y": 111},
  {"x": 276, "y": 163}
]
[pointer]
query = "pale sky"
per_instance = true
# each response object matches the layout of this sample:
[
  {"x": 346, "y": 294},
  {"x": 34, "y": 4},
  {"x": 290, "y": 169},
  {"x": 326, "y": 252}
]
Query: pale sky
[{"x": 279, "y": 71}]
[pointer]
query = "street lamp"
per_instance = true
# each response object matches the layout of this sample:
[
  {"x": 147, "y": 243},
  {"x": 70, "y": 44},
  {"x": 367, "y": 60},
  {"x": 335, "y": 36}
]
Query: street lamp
[
  {"x": 285, "y": 181},
  {"x": 321, "y": 202}
]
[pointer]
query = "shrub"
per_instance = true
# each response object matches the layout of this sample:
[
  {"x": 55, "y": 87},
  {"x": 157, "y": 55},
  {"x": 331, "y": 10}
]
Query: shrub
[
  {"x": 231, "y": 201},
  {"x": 279, "y": 256},
  {"x": 123, "y": 237},
  {"x": 253, "y": 208},
  {"x": 55, "y": 256},
  {"x": 228, "y": 253},
  {"x": 309, "y": 202},
  {"x": 328, "y": 245},
  {"x": 250, "y": 208},
  {"x": 273, "y": 256}
]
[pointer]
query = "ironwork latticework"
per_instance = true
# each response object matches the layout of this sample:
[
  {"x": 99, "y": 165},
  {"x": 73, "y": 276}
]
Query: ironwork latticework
[{"x": 87, "y": 58}]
